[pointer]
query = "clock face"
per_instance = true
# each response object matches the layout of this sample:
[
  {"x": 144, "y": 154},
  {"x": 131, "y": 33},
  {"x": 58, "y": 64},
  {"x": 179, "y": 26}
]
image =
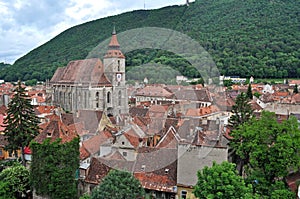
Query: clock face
[{"x": 119, "y": 77}]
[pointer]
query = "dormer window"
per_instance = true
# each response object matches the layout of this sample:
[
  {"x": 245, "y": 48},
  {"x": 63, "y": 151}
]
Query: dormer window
[
  {"x": 143, "y": 167},
  {"x": 166, "y": 171},
  {"x": 49, "y": 134}
]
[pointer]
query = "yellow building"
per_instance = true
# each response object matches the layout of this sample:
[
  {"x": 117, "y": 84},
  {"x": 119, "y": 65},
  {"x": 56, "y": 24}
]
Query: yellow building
[
  {"x": 184, "y": 192},
  {"x": 3, "y": 153}
]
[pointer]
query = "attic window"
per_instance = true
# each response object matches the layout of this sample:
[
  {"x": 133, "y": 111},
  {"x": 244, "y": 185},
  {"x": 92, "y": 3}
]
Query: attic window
[
  {"x": 124, "y": 153},
  {"x": 143, "y": 167},
  {"x": 166, "y": 171},
  {"x": 123, "y": 143}
]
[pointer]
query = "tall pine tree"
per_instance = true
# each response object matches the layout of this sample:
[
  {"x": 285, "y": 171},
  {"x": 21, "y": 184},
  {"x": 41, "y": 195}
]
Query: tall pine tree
[
  {"x": 249, "y": 92},
  {"x": 21, "y": 123}
]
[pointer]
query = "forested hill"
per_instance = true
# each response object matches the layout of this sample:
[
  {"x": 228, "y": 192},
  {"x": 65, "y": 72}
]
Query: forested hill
[{"x": 244, "y": 37}]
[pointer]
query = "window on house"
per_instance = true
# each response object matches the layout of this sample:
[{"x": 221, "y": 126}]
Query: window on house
[
  {"x": 125, "y": 153},
  {"x": 1, "y": 153},
  {"x": 97, "y": 95},
  {"x": 118, "y": 65},
  {"x": 143, "y": 167},
  {"x": 97, "y": 105},
  {"x": 123, "y": 143},
  {"x": 108, "y": 97},
  {"x": 183, "y": 194},
  {"x": 49, "y": 134}
]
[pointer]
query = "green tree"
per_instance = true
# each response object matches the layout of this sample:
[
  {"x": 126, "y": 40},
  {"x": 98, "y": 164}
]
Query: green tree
[
  {"x": 270, "y": 148},
  {"x": 249, "y": 92},
  {"x": 14, "y": 182},
  {"x": 241, "y": 113},
  {"x": 53, "y": 168},
  {"x": 21, "y": 123},
  {"x": 118, "y": 185},
  {"x": 5, "y": 193},
  {"x": 221, "y": 181}
]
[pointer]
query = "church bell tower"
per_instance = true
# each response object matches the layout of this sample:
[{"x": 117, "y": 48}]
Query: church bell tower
[{"x": 114, "y": 69}]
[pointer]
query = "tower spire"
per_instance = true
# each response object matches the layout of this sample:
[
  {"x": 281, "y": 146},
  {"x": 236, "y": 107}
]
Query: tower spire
[
  {"x": 114, "y": 46},
  {"x": 114, "y": 30}
]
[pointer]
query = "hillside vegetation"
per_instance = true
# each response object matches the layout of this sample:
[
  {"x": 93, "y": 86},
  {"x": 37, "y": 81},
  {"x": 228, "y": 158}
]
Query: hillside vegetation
[{"x": 244, "y": 37}]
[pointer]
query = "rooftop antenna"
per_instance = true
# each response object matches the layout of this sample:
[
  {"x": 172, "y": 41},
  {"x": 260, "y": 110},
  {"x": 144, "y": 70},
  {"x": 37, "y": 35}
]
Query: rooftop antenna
[
  {"x": 144, "y": 4},
  {"x": 187, "y": 2}
]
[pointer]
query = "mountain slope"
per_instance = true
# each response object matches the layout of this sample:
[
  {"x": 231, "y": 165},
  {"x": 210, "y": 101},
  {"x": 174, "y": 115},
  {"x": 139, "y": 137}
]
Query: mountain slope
[{"x": 245, "y": 37}]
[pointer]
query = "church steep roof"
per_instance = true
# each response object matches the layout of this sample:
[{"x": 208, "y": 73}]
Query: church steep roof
[{"x": 87, "y": 71}]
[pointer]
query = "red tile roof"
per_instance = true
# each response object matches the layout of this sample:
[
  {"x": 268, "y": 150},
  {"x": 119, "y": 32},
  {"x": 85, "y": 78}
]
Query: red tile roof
[
  {"x": 84, "y": 153},
  {"x": 93, "y": 144},
  {"x": 54, "y": 130},
  {"x": 97, "y": 171},
  {"x": 114, "y": 48}
]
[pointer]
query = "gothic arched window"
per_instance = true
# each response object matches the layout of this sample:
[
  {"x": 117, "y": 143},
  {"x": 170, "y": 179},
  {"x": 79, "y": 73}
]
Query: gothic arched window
[
  {"x": 120, "y": 97},
  {"x": 108, "y": 97}
]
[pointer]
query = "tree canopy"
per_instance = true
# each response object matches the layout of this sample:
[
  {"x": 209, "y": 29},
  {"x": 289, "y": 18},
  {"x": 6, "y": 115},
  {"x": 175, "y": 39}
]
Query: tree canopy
[
  {"x": 53, "y": 168},
  {"x": 221, "y": 181},
  {"x": 14, "y": 182},
  {"x": 118, "y": 185},
  {"x": 270, "y": 148}
]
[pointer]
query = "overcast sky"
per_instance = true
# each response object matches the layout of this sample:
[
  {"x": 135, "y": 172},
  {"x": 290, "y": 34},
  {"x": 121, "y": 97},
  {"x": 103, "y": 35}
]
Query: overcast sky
[{"x": 26, "y": 24}]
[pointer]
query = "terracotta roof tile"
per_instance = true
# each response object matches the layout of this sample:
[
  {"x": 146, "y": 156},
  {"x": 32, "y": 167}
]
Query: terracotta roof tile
[
  {"x": 97, "y": 171},
  {"x": 55, "y": 130},
  {"x": 84, "y": 153},
  {"x": 93, "y": 144}
]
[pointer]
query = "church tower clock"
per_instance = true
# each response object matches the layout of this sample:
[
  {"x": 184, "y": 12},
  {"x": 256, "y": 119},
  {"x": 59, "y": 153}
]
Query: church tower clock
[{"x": 114, "y": 69}]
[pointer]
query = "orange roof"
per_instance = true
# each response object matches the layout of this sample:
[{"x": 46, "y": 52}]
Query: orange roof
[
  {"x": 133, "y": 138},
  {"x": 45, "y": 109},
  {"x": 84, "y": 153},
  {"x": 201, "y": 111},
  {"x": 93, "y": 144},
  {"x": 54, "y": 130}
]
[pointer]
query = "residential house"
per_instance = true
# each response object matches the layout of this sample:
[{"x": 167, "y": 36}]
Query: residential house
[
  {"x": 207, "y": 146},
  {"x": 154, "y": 94}
]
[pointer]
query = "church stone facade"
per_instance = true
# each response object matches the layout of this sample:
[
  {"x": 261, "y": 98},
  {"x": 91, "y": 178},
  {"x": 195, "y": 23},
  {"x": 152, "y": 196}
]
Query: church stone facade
[{"x": 90, "y": 84}]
